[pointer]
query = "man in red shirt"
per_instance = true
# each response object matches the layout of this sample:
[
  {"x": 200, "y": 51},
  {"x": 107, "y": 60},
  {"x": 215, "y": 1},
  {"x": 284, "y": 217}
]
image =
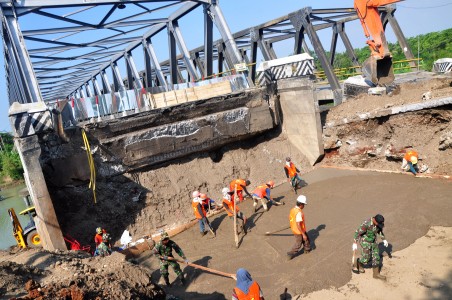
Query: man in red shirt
[{"x": 240, "y": 185}]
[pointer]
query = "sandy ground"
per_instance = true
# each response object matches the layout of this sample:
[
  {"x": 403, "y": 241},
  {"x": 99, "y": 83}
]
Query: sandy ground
[
  {"x": 338, "y": 201},
  {"x": 421, "y": 271}
]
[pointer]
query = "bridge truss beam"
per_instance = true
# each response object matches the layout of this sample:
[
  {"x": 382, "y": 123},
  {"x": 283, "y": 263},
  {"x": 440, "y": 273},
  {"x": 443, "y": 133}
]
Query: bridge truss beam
[{"x": 57, "y": 63}]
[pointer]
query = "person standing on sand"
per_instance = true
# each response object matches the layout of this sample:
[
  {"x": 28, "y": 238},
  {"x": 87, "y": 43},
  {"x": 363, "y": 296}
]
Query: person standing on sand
[
  {"x": 230, "y": 205},
  {"x": 366, "y": 235},
  {"x": 298, "y": 227},
  {"x": 201, "y": 215},
  {"x": 246, "y": 288},
  {"x": 292, "y": 174},
  {"x": 164, "y": 249}
]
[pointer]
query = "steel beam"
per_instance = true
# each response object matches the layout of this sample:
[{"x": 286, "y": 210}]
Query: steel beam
[
  {"x": 208, "y": 43},
  {"x": 304, "y": 16},
  {"x": 389, "y": 15},
  {"x": 75, "y": 3},
  {"x": 147, "y": 67},
  {"x": 89, "y": 92},
  {"x": 333, "y": 45},
  {"x": 348, "y": 46},
  {"x": 23, "y": 60},
  {"x": 256, "y": 36},
  {"x": 105, "y": 82},
  {"x": 157, "y": 68},
  {"x": 177, "y": 35},
  {"x": 96, "y": 86},
  {"x": 231, "y": 49},
  {"x": 117, "y": 78},
  {"x": 172, "y": 56}
]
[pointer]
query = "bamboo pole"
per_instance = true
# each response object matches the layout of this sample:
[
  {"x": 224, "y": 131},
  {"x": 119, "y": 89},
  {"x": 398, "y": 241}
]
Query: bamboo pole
[
  {"x": 202, "y": 268},
  {"x": 272, "y": 232},
  {"x": 236, "y": 236}
]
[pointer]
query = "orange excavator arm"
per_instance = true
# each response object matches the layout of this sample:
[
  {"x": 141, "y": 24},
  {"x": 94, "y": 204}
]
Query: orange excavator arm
[{"x": 379, "y": 66}]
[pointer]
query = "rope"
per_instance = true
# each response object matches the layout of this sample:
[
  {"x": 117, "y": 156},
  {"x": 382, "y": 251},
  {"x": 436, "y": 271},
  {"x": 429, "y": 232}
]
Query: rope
[{"x": 92, "y": 181}]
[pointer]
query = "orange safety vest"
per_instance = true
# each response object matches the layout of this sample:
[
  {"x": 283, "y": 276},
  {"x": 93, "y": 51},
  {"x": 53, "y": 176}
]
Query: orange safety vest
[
  {"x": 261, "y": 191},
  {"x": 198, "y": 214},
  {"x": 254, "y": 292},
  {"x": 292, "y": 220},
  {"x": 409, "y": 154},
  {"x": 291, "y": 170},
  {"x": 230, "y": 205},
  {"x": 239, "y": 183}
]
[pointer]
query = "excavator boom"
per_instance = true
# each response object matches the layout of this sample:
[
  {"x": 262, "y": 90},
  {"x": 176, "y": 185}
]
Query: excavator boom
[{"x": 378, "y": 67}]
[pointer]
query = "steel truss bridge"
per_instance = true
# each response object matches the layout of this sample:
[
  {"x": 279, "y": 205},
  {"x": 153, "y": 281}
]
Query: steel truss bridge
[{"x": 72, "y": 45}]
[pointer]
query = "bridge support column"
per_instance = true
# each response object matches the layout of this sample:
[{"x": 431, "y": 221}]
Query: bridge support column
[
  {"x": 46, "y": 221},
  {"x": 301, "y": 116},
  {"x": 28, "y": 120}
]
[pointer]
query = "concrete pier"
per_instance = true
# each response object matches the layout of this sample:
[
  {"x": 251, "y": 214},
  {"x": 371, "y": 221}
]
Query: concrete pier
[
  {"x": 301, "y": 117},
  {"x": 46, "y": 221}
]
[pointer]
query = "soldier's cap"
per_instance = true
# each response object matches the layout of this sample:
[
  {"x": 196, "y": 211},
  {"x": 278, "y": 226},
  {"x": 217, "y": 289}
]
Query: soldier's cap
[
  {"x": 164, "y": 236},
  {"x": 380, "y": 220}
]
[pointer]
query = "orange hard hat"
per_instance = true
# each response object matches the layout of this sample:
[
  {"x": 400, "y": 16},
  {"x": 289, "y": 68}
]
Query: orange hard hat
[
  {"x": 271, "y": 183},
  {"x": 203, "y": 196}
]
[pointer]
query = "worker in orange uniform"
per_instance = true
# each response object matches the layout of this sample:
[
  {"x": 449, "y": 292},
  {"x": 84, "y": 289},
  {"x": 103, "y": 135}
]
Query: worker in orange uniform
[
  {"x": 292, "y": 174},
  {"x": 246, "y": 288},
  {"x": 410, "y": 162},
  {"x": 200, "y": 214},
  {"x": 230, "y": 205},
  {"x": 241, "y": 186},
  {"x": 298, "y": 226},
  {"x": 262, "y": 193}
]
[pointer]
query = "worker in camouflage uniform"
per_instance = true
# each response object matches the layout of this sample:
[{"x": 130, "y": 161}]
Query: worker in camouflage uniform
[
  {"x": 165, "y": 251},
  {"x": 366, "y": 235}
]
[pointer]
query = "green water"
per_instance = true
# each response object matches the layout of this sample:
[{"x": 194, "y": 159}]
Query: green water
[{"x": 12, "y": 200}]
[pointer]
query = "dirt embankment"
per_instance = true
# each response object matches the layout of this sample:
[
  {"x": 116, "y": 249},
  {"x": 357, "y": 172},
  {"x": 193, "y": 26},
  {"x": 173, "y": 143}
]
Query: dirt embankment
[
  {"x": 147, "y": 201},
  {"x": 380, "y": 143},
  {"x": 38, "y": 274}
]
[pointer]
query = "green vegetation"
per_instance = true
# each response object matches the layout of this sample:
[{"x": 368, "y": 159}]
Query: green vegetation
[
  {"x": 432, "y": 46},
  {"x": 10, "y": 164}
]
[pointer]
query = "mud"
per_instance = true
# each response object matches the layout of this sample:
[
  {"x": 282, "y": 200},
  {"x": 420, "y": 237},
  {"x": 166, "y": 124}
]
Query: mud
[
  {"x": 156, "y": 198},
  {"x": 338, "y": 201}
]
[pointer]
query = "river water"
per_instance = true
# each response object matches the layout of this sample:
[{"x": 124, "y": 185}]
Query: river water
[{"x": 12, "y": 200}]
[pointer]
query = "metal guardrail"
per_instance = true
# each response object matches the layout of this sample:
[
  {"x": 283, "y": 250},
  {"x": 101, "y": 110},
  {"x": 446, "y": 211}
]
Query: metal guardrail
[
  {"x": 343, "y": 73},
  {"x": 126, "y": 102}
]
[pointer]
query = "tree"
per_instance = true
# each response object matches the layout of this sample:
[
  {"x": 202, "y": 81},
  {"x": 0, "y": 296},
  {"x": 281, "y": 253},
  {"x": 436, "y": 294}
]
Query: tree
[{"x": 10, "y": 164}]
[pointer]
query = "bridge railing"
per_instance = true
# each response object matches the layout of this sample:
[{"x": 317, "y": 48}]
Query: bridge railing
[
  {"x": 400, "y": 66},
  {"x": 126, "y": 102}
]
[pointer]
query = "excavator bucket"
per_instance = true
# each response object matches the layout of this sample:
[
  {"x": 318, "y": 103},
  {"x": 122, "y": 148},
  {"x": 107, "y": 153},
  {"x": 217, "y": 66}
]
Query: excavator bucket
[{"x": 379, "y": 71}]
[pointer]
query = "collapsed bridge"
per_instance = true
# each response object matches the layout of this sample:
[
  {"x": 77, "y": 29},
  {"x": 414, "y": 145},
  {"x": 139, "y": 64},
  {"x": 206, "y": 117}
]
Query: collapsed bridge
[{"x": 196, "y": 100}]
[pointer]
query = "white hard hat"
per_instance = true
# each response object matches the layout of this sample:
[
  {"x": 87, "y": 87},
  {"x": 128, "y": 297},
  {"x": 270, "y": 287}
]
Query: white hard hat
[
  {"x": 195, "y": 194},
  {"x": 302, "y": 199},
  {"x": 225, "y": 190}
]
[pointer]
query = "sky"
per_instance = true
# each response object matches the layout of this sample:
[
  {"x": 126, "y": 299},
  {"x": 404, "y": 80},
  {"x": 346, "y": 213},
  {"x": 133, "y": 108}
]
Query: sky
[{"x": 414, "y": 17}]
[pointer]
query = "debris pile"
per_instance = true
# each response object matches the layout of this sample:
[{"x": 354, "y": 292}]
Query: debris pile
[{"x": 74, "y": 275}]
